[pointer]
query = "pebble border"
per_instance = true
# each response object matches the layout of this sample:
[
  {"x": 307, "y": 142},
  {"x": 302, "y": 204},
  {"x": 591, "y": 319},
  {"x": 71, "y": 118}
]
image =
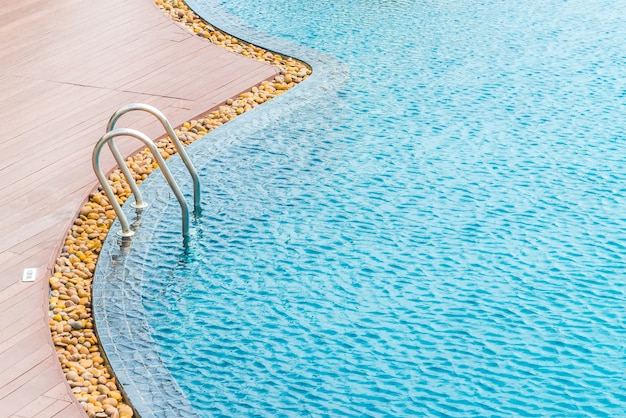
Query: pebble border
[{"x": 70, "y": 315}]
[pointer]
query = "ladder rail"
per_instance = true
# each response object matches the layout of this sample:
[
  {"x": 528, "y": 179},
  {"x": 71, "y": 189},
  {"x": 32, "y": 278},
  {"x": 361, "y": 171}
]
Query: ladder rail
[
  {"x": 108, "y": 138},
  {"x": 139, "y": 202}
]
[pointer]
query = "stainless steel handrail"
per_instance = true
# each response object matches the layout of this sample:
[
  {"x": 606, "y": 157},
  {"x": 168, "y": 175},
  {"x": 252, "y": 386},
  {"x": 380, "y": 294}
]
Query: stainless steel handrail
[
  {"x": 139, "y": 202},
  {"x": 107, "y": 138}
]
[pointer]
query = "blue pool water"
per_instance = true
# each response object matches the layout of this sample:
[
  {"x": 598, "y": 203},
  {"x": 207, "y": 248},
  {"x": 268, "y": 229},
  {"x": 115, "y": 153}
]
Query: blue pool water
[{"x": 438, "y": 228}]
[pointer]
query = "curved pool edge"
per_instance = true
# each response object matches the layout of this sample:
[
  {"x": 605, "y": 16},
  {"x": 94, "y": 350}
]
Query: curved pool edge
[
  {"x": 126, "y": 340},
  {"x": 123, "y": 331},
  {"x": 496, "y": 287}
]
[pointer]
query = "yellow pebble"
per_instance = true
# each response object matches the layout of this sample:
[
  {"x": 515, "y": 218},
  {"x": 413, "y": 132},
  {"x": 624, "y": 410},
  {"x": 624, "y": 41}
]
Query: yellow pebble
[
  {"x": 110, "y": 401},
  {"x": 115, "y": 394},
  {"x": 125, "y": 411}
]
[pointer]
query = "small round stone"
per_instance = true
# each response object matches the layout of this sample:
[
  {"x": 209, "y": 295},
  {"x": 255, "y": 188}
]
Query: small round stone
[
  {"x": 125, "y": 411},
  {"x": 76, "y": 325}
]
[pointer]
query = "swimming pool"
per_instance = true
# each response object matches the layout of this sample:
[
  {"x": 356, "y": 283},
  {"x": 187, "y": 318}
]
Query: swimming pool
[{"x": 432, "y": 225}]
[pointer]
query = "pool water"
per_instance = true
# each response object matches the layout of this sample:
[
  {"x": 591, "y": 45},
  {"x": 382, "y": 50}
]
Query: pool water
[{"x": 440, "y": 233}]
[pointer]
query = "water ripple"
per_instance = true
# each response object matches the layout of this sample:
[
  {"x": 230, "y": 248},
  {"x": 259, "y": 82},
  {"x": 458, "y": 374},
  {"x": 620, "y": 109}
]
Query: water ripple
[{"x": 442, "y": 237}]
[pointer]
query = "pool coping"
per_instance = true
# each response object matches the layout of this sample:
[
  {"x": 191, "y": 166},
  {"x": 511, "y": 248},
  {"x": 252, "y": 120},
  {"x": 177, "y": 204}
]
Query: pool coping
[{"x": 124, "y": 334}]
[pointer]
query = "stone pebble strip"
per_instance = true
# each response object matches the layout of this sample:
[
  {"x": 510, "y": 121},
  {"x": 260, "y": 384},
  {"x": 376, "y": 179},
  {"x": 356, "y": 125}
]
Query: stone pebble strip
[{"x": 71, "y": 322}]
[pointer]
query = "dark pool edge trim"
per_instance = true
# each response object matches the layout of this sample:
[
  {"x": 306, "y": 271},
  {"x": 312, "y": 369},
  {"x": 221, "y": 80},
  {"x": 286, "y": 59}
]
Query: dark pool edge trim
[
  {"x": 126, "y": 338},
  {"x": 144, "y": 378},
  {"x": 67, "y": 267},
  {"x": 329, "y": 72}
]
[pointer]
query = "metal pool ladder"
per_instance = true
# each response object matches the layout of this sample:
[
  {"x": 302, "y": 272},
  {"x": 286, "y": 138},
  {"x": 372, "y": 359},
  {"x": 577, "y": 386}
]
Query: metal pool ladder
[{"x": 108, "y": 138}]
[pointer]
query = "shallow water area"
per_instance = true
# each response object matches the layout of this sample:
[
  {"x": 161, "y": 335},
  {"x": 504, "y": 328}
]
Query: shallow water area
[{"x": 443, "y": 234}]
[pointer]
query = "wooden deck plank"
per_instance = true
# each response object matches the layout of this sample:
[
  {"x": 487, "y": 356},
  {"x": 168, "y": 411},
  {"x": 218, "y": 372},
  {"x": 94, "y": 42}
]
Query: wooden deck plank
[
  {"x": 27, "y": 252},
  {"x": 71, "y": 126},
  {"x": 42, "y": 406},
  {"x": 23, "y": 331},
  {"x": 69, "y": 411},
  {"x": 17, "y": 7},
  {"x": 22, "y": 362},
  {"x": 37, "y": 380},
  {"x": 20, "y": 303},
  {"x": 65, "y": 67}
]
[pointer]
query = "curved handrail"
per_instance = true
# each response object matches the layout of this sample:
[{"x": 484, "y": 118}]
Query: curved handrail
[
  {"x": 108, "y": 139},
  {"x": 179, "y": 147}
]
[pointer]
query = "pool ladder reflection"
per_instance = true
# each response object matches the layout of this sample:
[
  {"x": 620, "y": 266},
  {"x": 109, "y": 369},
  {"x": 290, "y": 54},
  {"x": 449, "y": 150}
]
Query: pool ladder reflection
[{"x": 109, "y": 139}]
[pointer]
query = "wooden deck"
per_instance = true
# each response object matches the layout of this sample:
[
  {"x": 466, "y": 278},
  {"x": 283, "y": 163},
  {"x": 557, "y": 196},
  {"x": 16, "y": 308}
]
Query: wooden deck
[{"x": 65, "y": 67}]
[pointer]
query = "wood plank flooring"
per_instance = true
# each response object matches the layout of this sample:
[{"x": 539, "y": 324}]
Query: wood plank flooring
[{"x": 65, "y": 67}]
